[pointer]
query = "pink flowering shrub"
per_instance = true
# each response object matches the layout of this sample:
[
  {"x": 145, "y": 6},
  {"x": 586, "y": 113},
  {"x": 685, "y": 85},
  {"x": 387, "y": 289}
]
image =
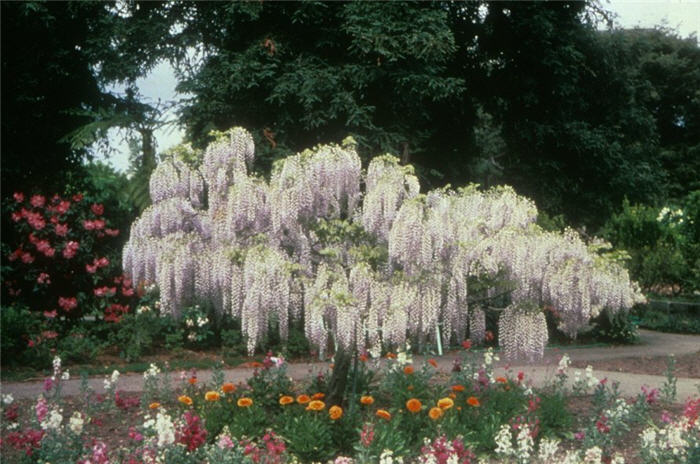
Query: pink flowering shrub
[
  {"x": 61, "y": 262},
  {"x": 63, "y": 258}
]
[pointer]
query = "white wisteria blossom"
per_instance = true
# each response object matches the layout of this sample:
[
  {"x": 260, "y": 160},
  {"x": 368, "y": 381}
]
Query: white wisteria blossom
[{"x": 362, "y": 258}]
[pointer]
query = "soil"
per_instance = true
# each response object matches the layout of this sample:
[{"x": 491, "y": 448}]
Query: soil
[{"x": 687, "y": 365}]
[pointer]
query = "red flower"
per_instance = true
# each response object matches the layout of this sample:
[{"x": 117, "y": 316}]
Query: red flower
[
  {"x": 112, "y": 232},
  {"x": 489, "y": 336},
  {"x": 127, "y": 291},
  {"x": 43, "y": 278},
  {"x": 99, "y": 224},
  {"x": 102, "y": 262},
  {"x": 90, "y": 269},
  {"x": 466, "y": 344},
  {"x": 67, "y": 303},
  {"x": 88, "y": 225},
  {"x": 98, "y": 209},
  {"x": 78, "y": 197},
  {"x": 71, "y": 249},
  {"x": 18, "y": 196},
  {"x": 37, "y": 201},
  {"x": 62, "y": 207},
  {"x": 27, "y": 258},
  {"x": 61, "y": 229},
  {"x": 16, "y": 216}
]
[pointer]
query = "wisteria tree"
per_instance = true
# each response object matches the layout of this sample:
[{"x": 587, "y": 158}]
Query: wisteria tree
[{"x": 362, "y": 258}]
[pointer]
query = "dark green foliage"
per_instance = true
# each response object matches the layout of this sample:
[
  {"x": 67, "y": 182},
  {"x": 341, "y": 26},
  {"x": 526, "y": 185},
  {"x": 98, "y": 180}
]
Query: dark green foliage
[
  {"x": 553, "y": 412},
  {"x": 617, "y": 328}
]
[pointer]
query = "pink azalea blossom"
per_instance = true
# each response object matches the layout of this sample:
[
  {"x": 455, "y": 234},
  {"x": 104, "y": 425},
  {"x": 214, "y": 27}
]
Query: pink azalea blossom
[
  {"x": 43, "y": 279},
  {"x": 61, "y": 229},
  {"x": 50, "y": 314},
  {"x": 68, "y": 303},
  {"x": 27, "y": 258},
  {"x": 78, "y": 197},
  {"x": 37, "y": 201},
  {"x": 112, "y": 232},
  {"x": 71, "y": 249},
  {"x": 97, "y": 209},
  {"x": 16, "y": 216},
  {"x": 18, "y": 196}
]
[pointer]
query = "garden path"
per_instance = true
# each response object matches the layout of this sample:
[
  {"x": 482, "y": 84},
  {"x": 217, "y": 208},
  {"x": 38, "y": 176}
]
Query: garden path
[{"x": 540, "y": 372}]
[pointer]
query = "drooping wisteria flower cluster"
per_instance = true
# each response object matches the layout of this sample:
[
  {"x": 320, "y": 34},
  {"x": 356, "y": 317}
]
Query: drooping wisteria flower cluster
[{"x": 264, "y": 252}]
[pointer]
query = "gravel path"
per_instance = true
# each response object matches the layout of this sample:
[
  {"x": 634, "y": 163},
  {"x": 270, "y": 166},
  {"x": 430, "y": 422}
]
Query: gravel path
[{"x": 651, "y": 344}]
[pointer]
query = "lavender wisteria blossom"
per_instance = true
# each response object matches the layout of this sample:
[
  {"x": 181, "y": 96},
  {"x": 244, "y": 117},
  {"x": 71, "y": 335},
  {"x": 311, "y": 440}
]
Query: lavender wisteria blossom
[{"x": 362, "y": 258}]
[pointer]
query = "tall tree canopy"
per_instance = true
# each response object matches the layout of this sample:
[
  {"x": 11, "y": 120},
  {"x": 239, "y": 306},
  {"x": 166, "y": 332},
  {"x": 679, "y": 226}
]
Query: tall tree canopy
[{"x": 529, "y": 94}]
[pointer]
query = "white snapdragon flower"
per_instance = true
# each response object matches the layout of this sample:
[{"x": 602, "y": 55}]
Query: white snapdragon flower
[
  {"x": 387, "y": 457},
  {"x": 202, "y": 321},
  {"x": 503, "y": 441},
  {"x": 7, "y": 399},
  {"x": 65, "y": 375},
  {"x": 593, "y": 455},
  {"x": 76, "y": 422},
  {"x": 189, "y": 322},
  {"x": 115, "y": 377},
  {"x": 617, "y": 458},
  {"x": 53, "y": 420},
  {"x": 191, "y": 336},
  {"x": 404, "y": 356},
  {"x": 165, "y": 429},
  {"x": 547, "y": 449},
  {"x": 591, "y": 380},
  {"x": 525, "y": 444},
  {"x": 564, "y": 364},
  {"x": 152, "y": 371},
  {"x": 571, "y": 457}
]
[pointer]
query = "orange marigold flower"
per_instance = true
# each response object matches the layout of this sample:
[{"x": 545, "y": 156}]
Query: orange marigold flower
[
  {"x": 435, "y": 413},
  {"x": 363, "y": 357},
  {"x": 390, "y": 355},
  {"x": 457, "y": 388},
  {"x": 445, "y": 403},
  {"x": 244, "y": 402},
  {"x": 366, "y": 400},
  {"x": 414, "y": 405},
  {"x": 154, "y": 405},
  {"x": 452, "y": 395},
  {"x": 211, "y": 396},
  {"x": 303, "y": 399},
  {"x": 184, "y": 399},
  {"x": 285, "y": 400},
  {"x": 228, "y": 387},
  {"x": 316, "y": 405},
  {"x": 473, "y": 401},
  {"x": 501, "y": 380},
  {"x": 318, "y": 396},
  {"x": 192, "y": 380},
  {"x": 408, "y": 370},
  {"x": 335, "y": 412},
  {"x": 384, "y": 414},
  {"x": 433, "y": 363}
]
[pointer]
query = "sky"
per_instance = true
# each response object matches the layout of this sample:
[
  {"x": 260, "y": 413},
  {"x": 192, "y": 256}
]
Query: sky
[{"x": 680, "y": 15}]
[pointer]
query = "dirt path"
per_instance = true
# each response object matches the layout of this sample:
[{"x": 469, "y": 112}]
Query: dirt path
[{"x": 652, "y": 345}]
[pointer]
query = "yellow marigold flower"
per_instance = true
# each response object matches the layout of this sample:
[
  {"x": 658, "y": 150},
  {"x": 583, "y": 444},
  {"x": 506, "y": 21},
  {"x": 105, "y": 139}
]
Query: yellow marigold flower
[
  {"x": 316, "y": 405},
  {"x": 228, "y": 387},
  {"x": 244, "y": 402},
  {"x": 445, "y": 403},
  {"x": 335, "y": 412},
  {"x": 366, "y": 400},
  {"x": 211, "y": 396},
  {"x": 184, "y": 399},
  {"x": 303, "y": 399},
  {"x": 285, "y": 400},
  {"x": 384, "y": 414},
  {"x": 154, "y": 405},
  {"x": 414, "y": 405},
  {"x": 318, "y": 396},
  {"x": 473, "y": 401},
  {"x": 435, "y": 413}
]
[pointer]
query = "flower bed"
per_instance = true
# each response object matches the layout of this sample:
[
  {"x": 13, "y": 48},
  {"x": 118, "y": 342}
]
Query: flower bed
[{"x": 398, "y": 413}]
